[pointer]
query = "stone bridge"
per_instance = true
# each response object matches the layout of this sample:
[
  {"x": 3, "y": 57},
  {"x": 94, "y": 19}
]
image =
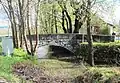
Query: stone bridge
[{"x": 69, "y": 42}]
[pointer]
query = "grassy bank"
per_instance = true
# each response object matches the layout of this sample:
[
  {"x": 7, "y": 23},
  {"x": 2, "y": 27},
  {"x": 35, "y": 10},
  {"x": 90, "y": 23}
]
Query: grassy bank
[
  {"x": 54, "y": 69},
  {"x": 61, "y": 69},
  {"x": 6, "y": 68}
]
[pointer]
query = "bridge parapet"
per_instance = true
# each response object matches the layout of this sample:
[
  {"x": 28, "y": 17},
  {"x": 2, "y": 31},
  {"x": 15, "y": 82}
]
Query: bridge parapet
[
  {"x": 70, "y": 41},
  {"x": 67, "y": 41}
]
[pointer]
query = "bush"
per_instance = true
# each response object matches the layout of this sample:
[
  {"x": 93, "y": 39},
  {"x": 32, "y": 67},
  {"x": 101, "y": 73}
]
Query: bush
[
  {"x": 106, "y": 52},
  {"x": 97, "y": 77},
  {"x": 6, "y": 69},
  {"x": 0, "y": 49},
  {"x": 20, "y": 53}
]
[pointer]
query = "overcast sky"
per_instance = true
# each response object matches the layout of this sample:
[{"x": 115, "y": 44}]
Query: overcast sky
[{"x": 117, "y": 13}]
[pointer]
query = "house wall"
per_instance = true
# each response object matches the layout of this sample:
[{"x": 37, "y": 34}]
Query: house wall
[
  {"x": 83, "y": 30},
  {"x": 110, "y": 28}
]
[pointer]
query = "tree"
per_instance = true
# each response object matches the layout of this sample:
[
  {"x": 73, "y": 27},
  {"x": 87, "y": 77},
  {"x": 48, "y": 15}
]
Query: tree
[
  {"x": 89, "y": 35},
  {"x": 30, "y": 49},
  {"x": 8, "y": 7},
  {"x": 19, "y": 14},
  {"x": 79, "y": 13},
  {"x": 70, "y": 15}
]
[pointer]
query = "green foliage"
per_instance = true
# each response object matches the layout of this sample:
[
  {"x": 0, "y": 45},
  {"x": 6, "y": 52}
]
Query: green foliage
[
  {"x": 104, "y": 30},
  {"x": 107, "y": 52},
  {"x": 0, "y": 49},
  {"x": 99, "y": 75},
  {"x": 97, "y": 21},
  {"x": 33, "y": 59},
  {"x": 6, "y": 68},
  {"x": 106, "y": 72},
  {"x": 20, "y": 53}
]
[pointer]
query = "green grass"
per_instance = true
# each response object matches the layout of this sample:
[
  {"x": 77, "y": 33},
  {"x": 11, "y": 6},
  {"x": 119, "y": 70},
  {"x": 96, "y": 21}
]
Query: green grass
[
  {"x": 61, "y": 68},
  {"x": 6, "y": 68},
  {"x": 70, "y": 70},
  {"x": 118, "y": 41},
  {"x": 107, "y": 72},
  {"x": 53, "y": 68},
  {"x": 104, "y": 44}
]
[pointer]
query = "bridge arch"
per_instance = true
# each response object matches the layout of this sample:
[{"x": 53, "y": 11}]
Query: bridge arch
[
  {"x": 68, "y": 42},
  {"x": 60, "y": 51},
  {"x": 54, "y": 51}
]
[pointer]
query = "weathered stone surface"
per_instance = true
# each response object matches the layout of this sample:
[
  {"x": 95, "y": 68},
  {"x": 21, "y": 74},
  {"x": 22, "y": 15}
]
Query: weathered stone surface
[
  {"x": 69, "y": 41},
  {"x": 43, "y": 51}
]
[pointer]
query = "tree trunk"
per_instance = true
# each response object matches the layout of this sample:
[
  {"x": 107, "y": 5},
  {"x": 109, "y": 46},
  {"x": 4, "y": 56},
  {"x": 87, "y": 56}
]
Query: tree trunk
[
  {"x": 20, "y": 36},
  {"x": 56, "y": 29},
  {"x": 13, "y": 35},
  {"x": 15, "y": 29},
  {"x": 67, "y": 24},
  {"x": 36, "y": 26},
  {"x": 77, "y": 25},
  {"x": 13, "y": 23},
  {"x": 29, "y": 32},
  {"x": 89, "y": 35},
  {"x": 22, "y": 26},
  {"x": 63, "y": 22},
  {"x": 70, "y": 22}
]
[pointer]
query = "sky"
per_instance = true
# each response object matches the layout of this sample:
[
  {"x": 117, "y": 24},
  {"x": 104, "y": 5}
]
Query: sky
[
  {"x": 3, "y": 18},
  {"x": 109, "y": 11},
  {"x": 106, "y": 16},
  {"x": 113, "y": 19},
  {"x": 117, "y": 14}
]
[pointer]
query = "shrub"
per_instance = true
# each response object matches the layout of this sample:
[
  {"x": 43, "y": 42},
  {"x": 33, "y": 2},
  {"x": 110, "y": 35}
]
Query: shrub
[
  {"x": 97, "y": 77},
  {"x": 0, "y": 49},
  {"x": 106, "y": 52},
  {"x": 20, "y": 53}
]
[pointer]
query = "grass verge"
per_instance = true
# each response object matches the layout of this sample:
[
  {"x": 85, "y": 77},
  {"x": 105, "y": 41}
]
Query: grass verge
[
  {"x": 6, "y": 68},
  {"x": 54, "y": 68},
  {"x": 61, "y": 69}
]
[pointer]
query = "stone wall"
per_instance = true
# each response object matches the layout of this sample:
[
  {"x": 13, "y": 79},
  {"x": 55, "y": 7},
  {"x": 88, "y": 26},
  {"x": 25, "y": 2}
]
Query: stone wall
[
  {"x": 64, "y": 44},
  {"x": 69, "y": 41}
]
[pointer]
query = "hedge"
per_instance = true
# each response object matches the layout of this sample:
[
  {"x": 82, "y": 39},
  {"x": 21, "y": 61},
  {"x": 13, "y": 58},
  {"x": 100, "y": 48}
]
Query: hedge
[{"x": 103, "y": 52}]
